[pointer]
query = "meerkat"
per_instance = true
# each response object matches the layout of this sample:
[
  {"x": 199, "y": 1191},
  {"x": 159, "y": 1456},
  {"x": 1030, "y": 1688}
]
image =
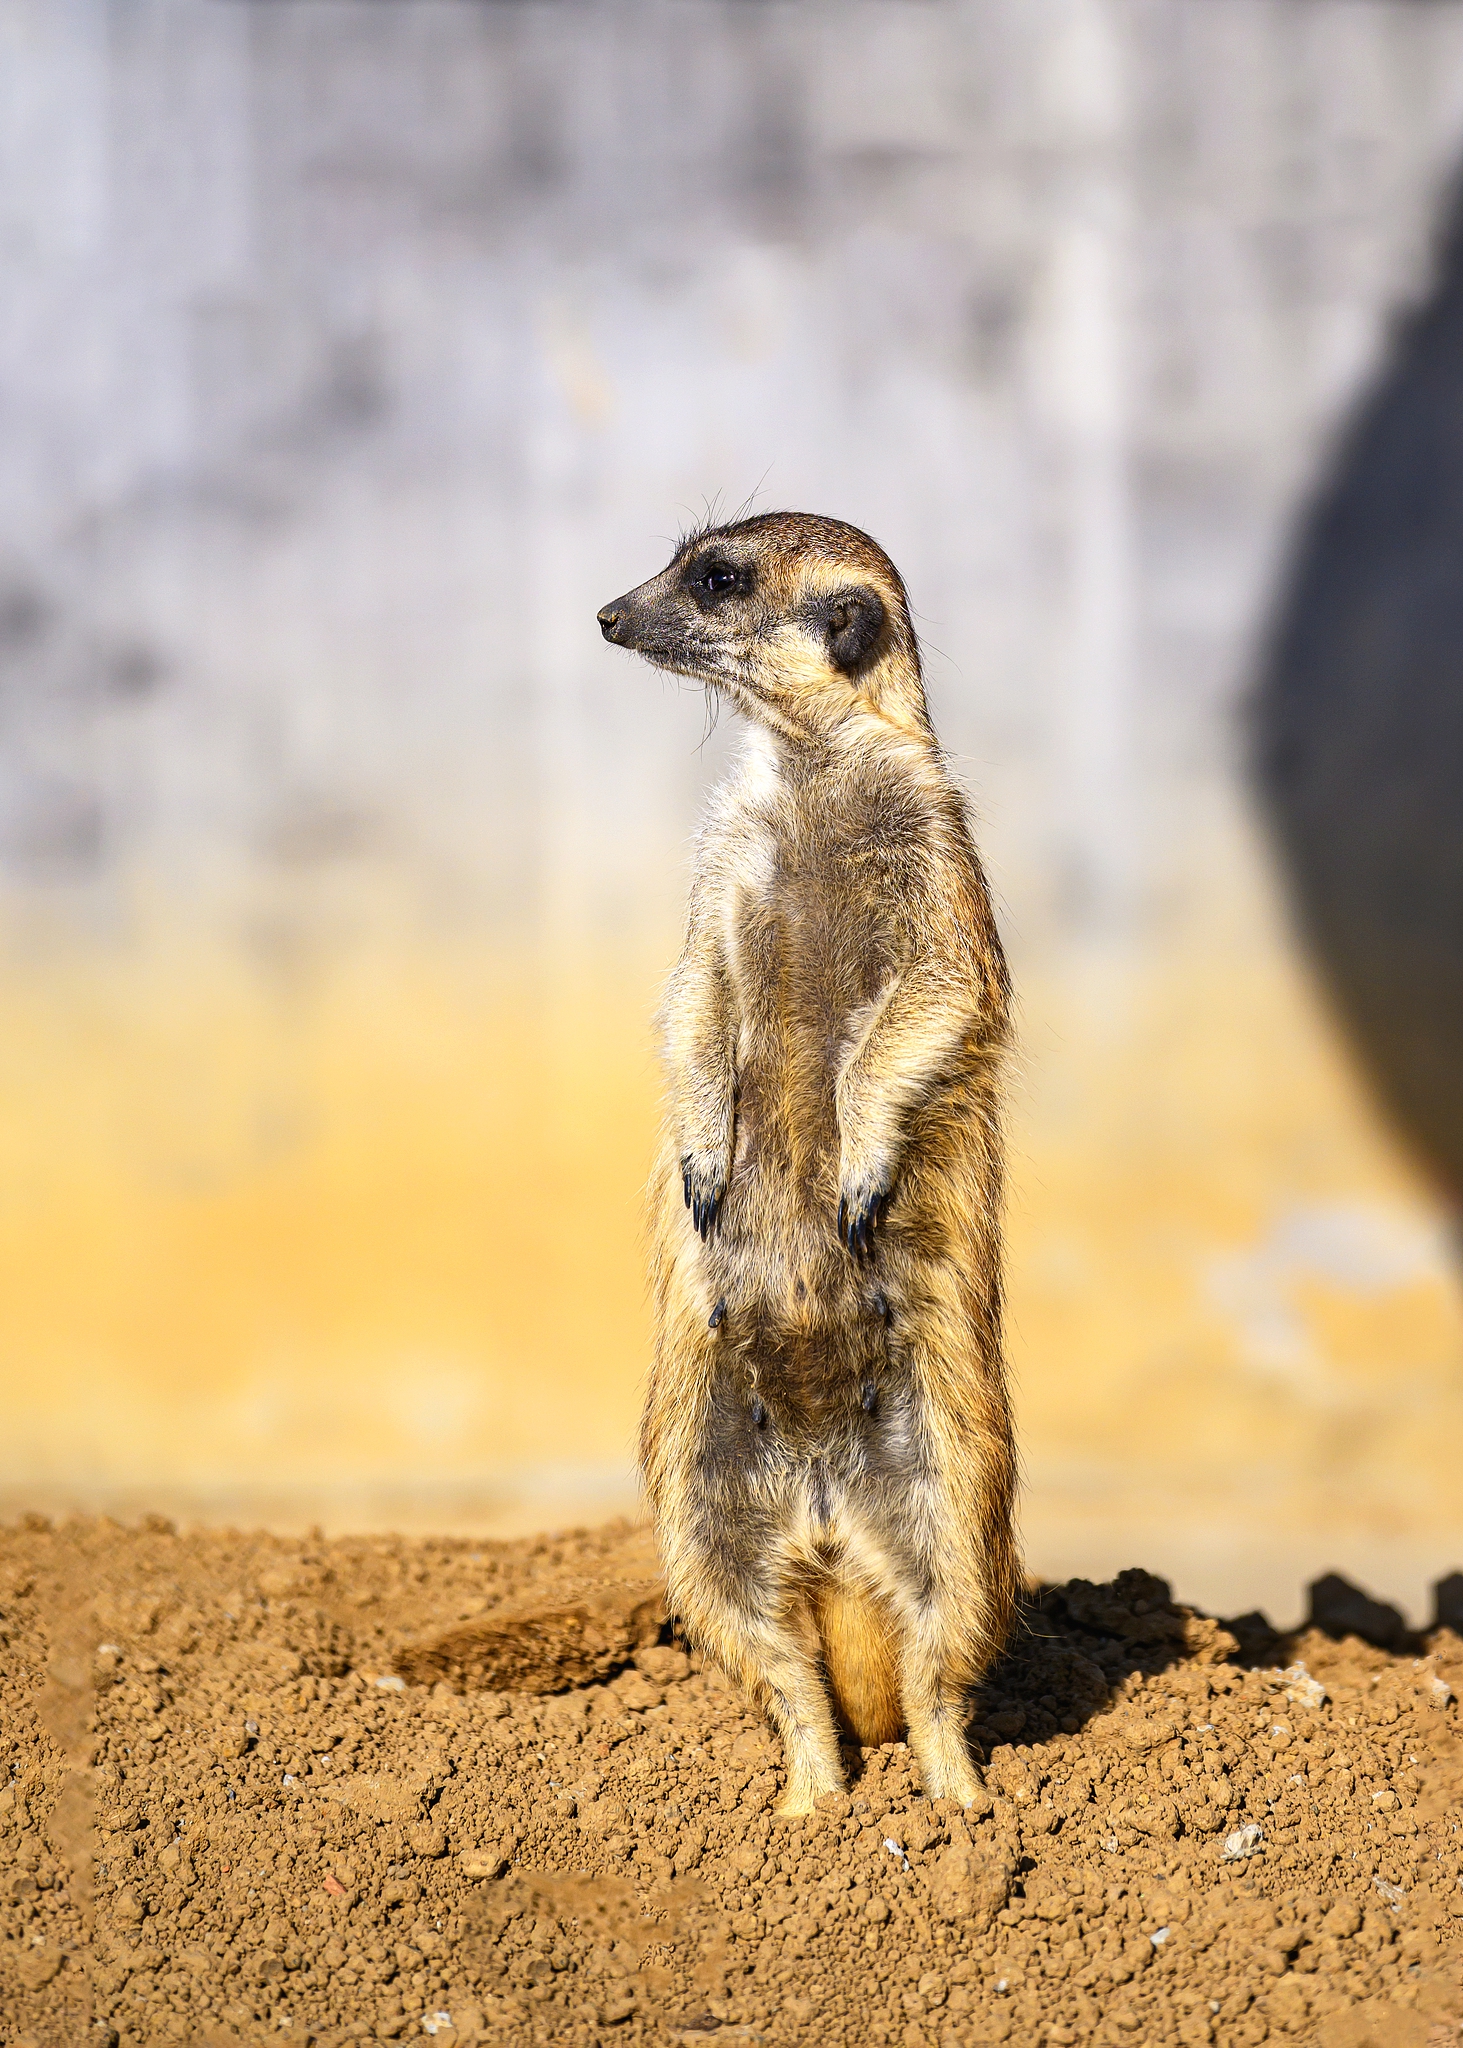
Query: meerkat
[{"x": 826, "y": 1442}]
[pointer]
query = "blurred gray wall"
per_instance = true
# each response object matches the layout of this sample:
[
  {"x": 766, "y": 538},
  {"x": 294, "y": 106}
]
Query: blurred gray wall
[{"x": 352, "y": 352}]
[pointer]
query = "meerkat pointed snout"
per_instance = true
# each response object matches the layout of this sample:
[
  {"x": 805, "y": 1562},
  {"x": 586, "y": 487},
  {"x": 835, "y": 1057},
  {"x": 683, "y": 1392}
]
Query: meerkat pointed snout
[{"x": 826, "y": 1440}]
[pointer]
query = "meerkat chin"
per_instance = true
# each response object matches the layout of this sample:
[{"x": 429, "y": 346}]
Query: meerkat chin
[{"x": 826, "y": 1440}]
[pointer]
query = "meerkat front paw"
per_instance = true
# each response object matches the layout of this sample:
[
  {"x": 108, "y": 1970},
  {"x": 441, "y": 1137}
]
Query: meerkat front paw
[
  {"x": 703, "y": 1178},
  {"x": 861, "y": 1209}
]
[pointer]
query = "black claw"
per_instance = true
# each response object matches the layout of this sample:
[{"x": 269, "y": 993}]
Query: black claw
[
  {"x": 880, "y": 1307},
  {"x": 718, "y": 1315},
  {"x": 858, "y": 1226},
  {"x": 759, "y": 1412},
  {"x": 704, "y": 1208},
  {"x": 870, "y": 1397}
]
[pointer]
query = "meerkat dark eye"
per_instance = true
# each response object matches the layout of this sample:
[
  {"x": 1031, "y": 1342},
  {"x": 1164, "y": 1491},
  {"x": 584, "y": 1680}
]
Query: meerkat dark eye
[{"x": 714, "y": 578}]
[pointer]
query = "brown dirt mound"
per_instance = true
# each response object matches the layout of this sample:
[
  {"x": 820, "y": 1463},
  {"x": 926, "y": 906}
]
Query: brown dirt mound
[{"x": 224, "y": 1817}]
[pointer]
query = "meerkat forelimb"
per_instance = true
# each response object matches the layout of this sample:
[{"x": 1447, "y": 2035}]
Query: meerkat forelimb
[
  {"x": 826, "y": 1439},
  {"x": 700, "y": 1053}
]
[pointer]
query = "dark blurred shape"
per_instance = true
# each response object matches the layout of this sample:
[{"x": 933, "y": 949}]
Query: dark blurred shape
[
  {"x": 134, "y": 670},
  {"x": 1337, "y": 1608},
  {"x": 1257, "y": 1639},
  {"x": 24, "y": 615},
  {"x": 1360, "y": 725},
  {"x": 1448, "y": 1603},
  {"x": 51, "y": 830}
]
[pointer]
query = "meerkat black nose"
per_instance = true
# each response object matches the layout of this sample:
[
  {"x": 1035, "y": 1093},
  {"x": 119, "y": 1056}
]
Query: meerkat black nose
[{"x": 609, "y": 619}]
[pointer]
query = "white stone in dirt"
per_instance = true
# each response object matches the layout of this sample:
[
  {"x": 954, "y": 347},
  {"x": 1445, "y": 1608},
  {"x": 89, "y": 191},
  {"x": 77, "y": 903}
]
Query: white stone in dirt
[
  {"x": 1243, "y": 1842},
  {"x": 1301, "y": 1686}
]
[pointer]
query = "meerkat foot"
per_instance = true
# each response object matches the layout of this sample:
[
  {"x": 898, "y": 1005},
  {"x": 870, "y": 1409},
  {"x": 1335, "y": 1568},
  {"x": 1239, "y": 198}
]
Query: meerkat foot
[
  {"x": 945, "y": 1762},
  {"x": 813, "y": 1767},
  {"x": 803, "y": 1793},
  {"x": 963, "y": 1783}
]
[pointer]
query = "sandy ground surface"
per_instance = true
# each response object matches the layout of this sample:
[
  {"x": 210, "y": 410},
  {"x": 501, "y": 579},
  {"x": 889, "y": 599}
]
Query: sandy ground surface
[{"x": 226, "y": 1816}]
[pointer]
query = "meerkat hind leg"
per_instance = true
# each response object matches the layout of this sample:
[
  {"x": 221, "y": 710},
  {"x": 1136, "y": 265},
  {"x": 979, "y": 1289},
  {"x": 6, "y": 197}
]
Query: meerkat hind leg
[
  {"x": 774, "y": 1658},
  {"x": 934, "y": 1706},
  {"x": 792, "y": 1689}
]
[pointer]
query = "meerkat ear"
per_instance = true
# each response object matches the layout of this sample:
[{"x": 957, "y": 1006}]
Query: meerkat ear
[{"x": 854, "y": 621}]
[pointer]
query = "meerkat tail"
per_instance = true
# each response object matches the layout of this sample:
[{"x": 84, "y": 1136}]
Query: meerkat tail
[{"x": 857, "y": 1637}]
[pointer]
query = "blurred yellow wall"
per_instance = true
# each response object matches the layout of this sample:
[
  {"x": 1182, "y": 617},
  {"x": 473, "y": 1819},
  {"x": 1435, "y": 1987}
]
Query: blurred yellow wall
[
  {"x": 369, "y": 1252},
  {"x": 1236, "y": 1318}
]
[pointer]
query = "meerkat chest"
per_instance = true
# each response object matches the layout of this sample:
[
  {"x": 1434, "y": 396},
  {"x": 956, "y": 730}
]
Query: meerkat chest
[{"x": 811, "y": 933}]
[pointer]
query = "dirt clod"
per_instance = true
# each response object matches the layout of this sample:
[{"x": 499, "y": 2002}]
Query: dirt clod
[
  {"x": 571, "y": 1632},
  {"x": 218, "y": 1826}
]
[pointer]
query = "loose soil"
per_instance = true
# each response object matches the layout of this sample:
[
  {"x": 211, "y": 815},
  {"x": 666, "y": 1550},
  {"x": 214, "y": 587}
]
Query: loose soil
[{"x": 262, "y": 1790}]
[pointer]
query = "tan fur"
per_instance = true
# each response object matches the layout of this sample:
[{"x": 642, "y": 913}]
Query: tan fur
[
  {"x": 826, "y": 1440},
  {"x": 857, "y": 1636}
]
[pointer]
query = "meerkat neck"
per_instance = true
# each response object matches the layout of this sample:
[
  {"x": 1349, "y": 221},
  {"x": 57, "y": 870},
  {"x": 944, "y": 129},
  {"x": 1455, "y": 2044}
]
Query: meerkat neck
[
  {"x": 762, "y": 758},
  {"x": 868, "y": 726}
]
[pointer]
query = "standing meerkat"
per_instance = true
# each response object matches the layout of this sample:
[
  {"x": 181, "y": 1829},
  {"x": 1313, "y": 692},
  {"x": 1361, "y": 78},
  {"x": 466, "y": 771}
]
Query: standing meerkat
[{"x": 826, "y": 1440}]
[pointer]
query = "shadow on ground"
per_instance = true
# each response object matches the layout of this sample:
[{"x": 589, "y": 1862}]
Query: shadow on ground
[{"x": 1078, "y": 1643}]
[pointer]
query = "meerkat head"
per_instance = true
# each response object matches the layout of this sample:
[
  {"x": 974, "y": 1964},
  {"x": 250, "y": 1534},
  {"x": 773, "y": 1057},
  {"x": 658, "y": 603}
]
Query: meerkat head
[{"x": 802, "y": 621}]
